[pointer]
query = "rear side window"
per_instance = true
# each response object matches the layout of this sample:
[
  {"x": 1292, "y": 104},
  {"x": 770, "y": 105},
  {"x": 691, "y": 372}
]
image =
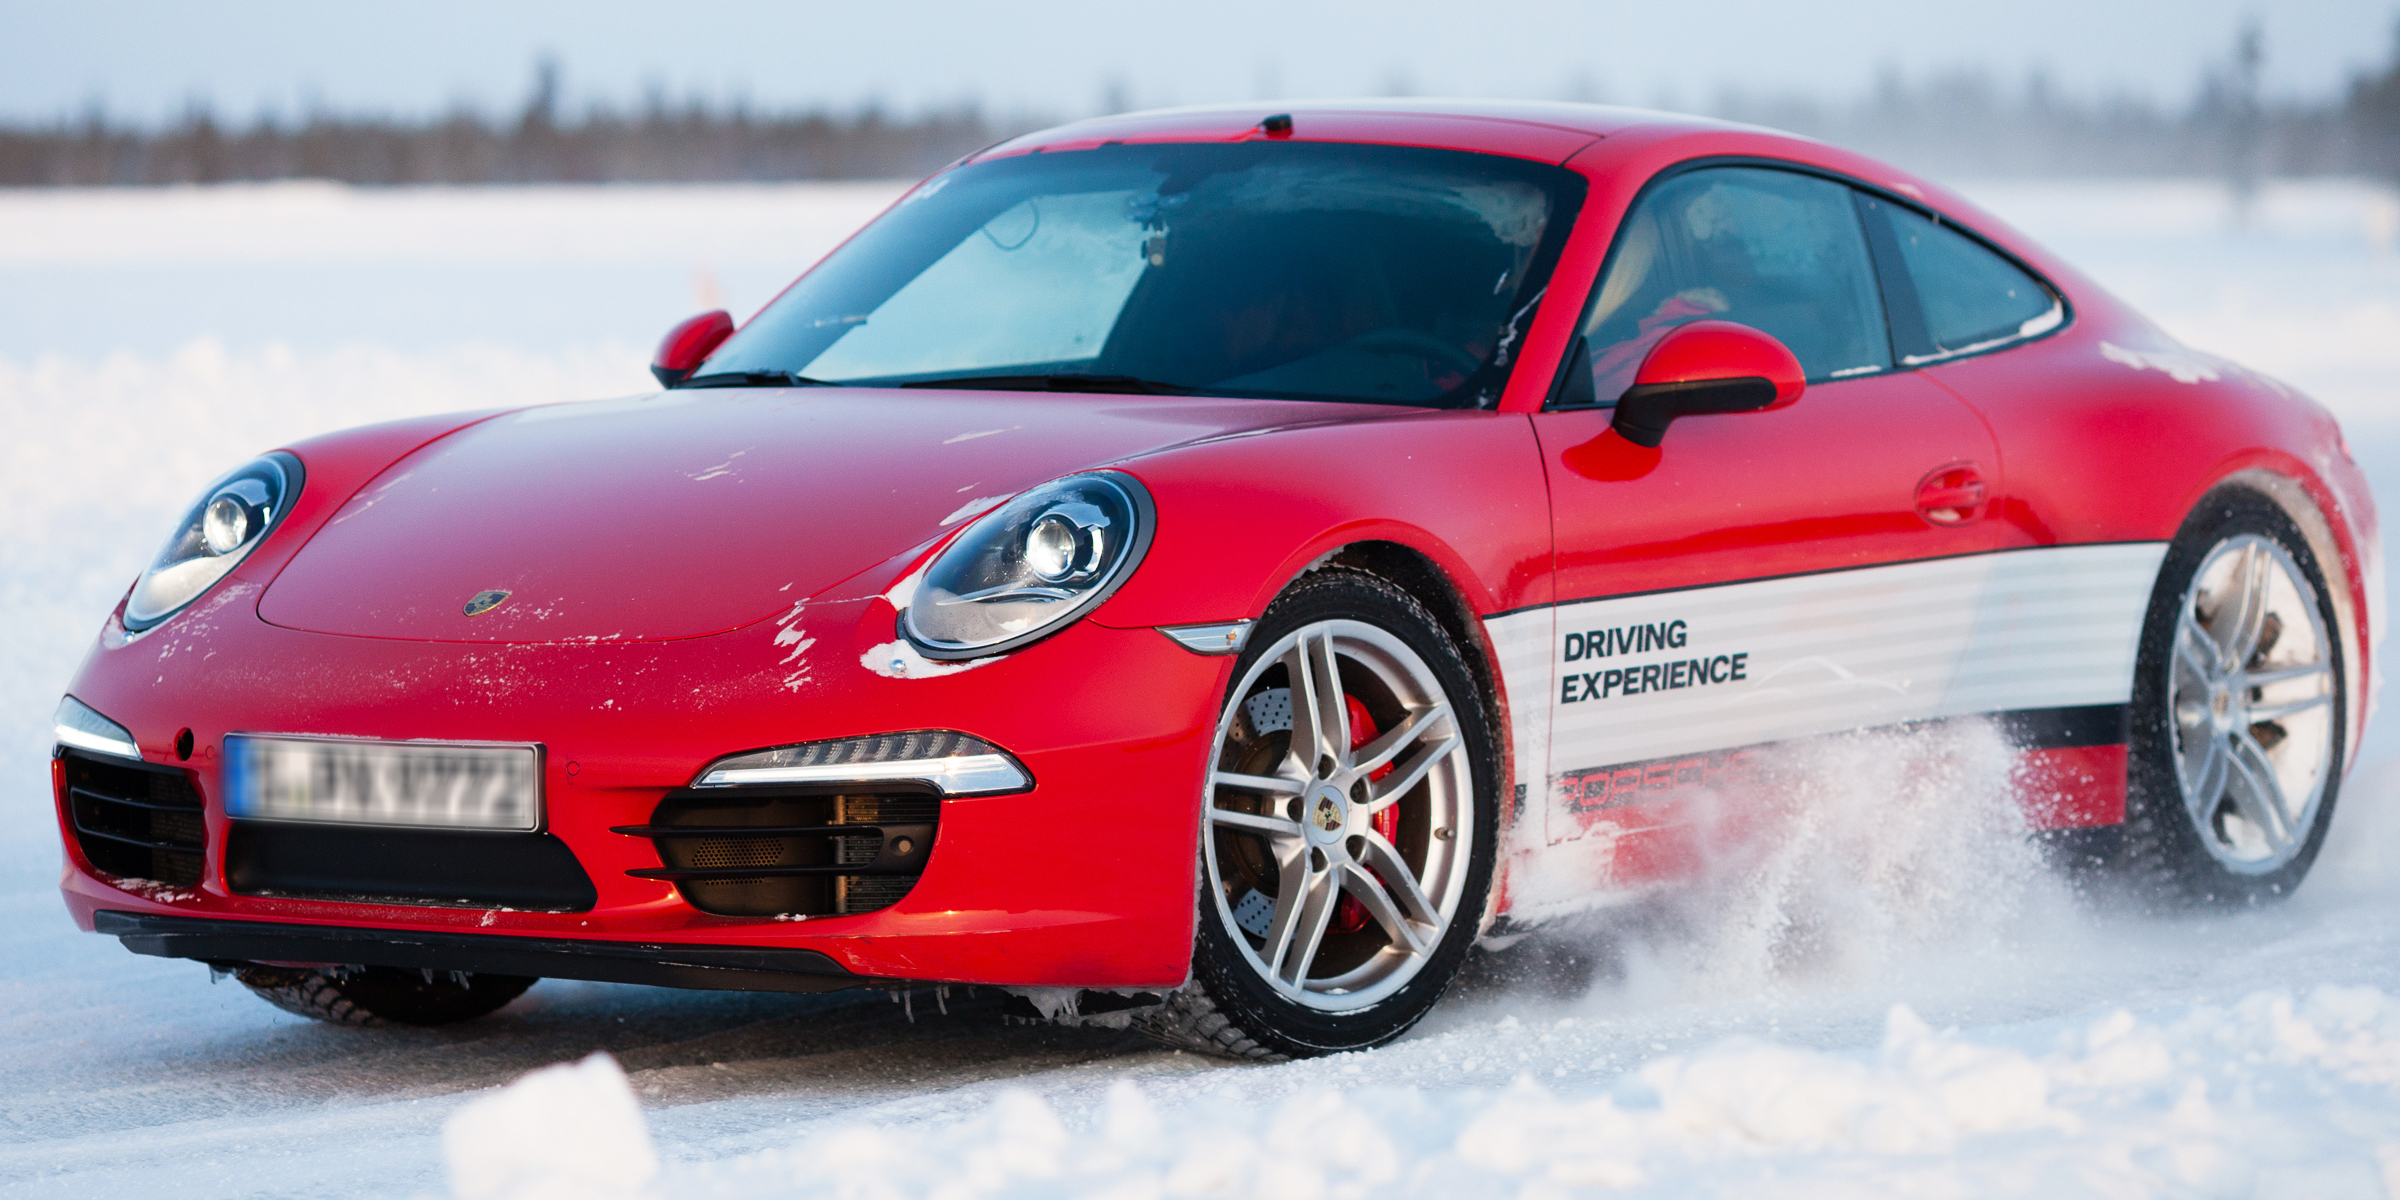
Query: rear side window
[
  {"x": 1775, "y": 250},
  {"x": 1970, "y": 297}
]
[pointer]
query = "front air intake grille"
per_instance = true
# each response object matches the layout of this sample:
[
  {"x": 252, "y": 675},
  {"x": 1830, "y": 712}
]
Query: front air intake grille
[
  {"x": 135, "y": 821},
  {"x": 789, "y": 852},
  {"x": 367, "y": 864}
]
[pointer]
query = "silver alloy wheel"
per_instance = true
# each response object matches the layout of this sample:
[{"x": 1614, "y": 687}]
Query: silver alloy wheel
[
  {"x": 1292, "y": 821},
  {"x": 2251, "y": 704}
]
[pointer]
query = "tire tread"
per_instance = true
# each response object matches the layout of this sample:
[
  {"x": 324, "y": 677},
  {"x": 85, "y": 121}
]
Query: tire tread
[
  {"x": 316, "y": 995},
  {"x": 2159, "y": 861},
  {"x": 378, "y": 995},
  {"x": 1189, "y": 1020}
]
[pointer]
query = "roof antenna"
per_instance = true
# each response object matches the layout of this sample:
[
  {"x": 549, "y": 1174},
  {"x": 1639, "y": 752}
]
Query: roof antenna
[{"x": 1277, "y": 126}]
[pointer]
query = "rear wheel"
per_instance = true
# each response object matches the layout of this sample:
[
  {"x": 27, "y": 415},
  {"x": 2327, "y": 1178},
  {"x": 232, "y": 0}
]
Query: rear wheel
[
  {"x": 1347, "y": 829},
  {"x": 381, "y": 995},
  {"x": 2238, "y": 715}
]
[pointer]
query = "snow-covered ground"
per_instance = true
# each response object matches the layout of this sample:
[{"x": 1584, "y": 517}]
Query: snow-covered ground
[{"x": 1950, "y": 1022}]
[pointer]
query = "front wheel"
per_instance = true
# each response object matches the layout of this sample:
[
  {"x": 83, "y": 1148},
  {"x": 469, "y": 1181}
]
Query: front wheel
[
  {"x": 1347, "y": 829},
  {"x": 2237, "y": 714}
]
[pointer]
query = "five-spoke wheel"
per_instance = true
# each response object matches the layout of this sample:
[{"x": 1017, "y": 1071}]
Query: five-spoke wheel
[
  {"x": 1346, "y": 829},
  {"x": 2237, "y": 722},
  {"x": 1307, "y": 818},
  {"x": 2252, "y": 699}
]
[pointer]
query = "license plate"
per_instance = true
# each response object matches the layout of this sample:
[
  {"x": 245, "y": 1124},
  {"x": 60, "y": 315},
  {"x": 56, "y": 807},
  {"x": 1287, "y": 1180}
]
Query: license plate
[{"x": 423, "y": 785}]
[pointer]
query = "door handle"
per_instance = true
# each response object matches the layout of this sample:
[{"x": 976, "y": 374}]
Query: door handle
[{"x": 1952, "y": 495}]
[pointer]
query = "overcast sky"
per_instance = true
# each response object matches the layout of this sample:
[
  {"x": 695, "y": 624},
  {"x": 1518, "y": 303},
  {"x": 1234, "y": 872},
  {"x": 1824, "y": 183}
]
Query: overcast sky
[{"x": 146, "y": 59}]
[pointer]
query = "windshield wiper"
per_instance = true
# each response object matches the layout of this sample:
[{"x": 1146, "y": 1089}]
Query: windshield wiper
[
  {"x": 1057, "y": 381},
  {"x": 752, "y": 379}
]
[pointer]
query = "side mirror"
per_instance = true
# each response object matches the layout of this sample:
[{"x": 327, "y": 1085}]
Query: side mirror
[
  {"x": 688, "y": 345},
  {"x": 1706, "y": 367}
]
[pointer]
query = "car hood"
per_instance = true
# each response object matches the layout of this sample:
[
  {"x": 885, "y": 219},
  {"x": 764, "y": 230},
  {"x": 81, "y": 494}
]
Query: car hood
[{"x": 694, "y": 512}]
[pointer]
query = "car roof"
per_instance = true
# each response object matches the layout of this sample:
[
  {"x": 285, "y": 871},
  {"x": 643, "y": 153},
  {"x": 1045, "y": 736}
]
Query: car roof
[
  {"x": 1528, "y": 128},
  {"x": 1619, "y": 148},
  {"x": 1591, "y": 120}
]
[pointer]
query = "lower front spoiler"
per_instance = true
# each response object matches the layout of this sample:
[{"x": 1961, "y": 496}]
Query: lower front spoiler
[{"x": 723, "y": 968}]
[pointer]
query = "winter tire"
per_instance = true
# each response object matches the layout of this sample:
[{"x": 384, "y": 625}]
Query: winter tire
[
  {"x": 1347, "y": 829},
  {"x": 2238, "y": 711},
  {"x": 382, "y": 995}
]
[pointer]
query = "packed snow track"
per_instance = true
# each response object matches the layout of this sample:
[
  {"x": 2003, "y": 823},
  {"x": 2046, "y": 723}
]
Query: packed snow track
[{"x": 1906, "y": 1004}]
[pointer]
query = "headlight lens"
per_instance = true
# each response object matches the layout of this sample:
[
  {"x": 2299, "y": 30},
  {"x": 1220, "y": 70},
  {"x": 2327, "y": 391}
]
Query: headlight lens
[
  {"x": 1030, "y": 566},
  {"x": 229, "y": 520}
]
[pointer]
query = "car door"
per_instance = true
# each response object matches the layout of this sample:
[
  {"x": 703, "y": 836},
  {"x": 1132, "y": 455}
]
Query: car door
[
  {"x": 2059, "y": 406},
  {"x": 1758, "y": 577}
]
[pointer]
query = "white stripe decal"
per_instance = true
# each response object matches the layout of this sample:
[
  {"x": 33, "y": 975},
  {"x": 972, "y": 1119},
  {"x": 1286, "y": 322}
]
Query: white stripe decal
[
  {"x": 1742, "y": 664},
  {"x": 1523, "y": 642}
]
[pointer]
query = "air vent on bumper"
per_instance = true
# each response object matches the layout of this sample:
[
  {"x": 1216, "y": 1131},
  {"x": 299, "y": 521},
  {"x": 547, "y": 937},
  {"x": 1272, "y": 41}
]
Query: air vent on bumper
[
  {"x": 817, "y": 829},
  {"x": 135, "y": 821}
]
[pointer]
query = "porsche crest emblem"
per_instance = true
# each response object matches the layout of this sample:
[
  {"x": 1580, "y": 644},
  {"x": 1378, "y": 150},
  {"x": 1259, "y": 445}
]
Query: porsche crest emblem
[
  {"x": 1328, "y": 816},
  {"x": 483, "y": 602}
]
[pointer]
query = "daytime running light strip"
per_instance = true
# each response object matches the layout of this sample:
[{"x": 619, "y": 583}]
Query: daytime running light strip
[
  {"x": 951, "y": 776},
  {"x": 68, "y": 735}
]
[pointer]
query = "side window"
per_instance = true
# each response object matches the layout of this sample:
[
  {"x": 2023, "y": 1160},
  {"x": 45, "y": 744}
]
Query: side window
[
  {"x": 1969, "y": 297},
  {"x": 1776, "y": 250}
]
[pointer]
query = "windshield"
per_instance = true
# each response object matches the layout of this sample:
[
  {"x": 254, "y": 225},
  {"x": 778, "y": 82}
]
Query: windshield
[{"x": 1382, "y": 274}]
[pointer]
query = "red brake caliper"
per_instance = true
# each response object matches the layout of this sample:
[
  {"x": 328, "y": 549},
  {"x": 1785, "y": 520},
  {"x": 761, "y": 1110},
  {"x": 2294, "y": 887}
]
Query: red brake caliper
[{"x": 1349, "y": 916}]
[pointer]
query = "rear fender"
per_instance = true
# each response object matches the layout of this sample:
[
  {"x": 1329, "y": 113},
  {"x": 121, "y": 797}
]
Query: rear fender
[{"x": 2357, "y": 592}]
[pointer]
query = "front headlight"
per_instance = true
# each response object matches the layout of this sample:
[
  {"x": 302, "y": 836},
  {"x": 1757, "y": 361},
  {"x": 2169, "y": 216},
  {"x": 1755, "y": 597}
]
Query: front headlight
[
  {"x": 230, "y": 519},
  {"x": 1030, "y": 566}
]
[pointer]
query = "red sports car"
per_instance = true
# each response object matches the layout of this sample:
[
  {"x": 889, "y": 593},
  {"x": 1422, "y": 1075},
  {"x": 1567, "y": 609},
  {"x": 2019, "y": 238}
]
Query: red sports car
[{"x": 1203, "y": 564}]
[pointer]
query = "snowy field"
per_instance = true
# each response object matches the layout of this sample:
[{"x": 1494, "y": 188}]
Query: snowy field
[{"x": 1952, "y": 1024}]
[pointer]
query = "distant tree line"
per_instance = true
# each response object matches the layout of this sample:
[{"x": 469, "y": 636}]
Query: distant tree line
[
  {"x": 1966, "y": 125},
  {"x": 2373, "y": 116},
  {"x": 658, "y": 143},
  {"x": 1960, "y": 125}
]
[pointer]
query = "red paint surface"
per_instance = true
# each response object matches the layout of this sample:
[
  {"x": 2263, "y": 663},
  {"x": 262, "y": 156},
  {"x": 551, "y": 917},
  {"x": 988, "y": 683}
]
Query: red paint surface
[
  {"x": 641, "y": 720},
  {"x": 691, "y": 341},
  {"x": 2072, "y": 787},
  {"x": 694, "y": 512},
  {"x": 1707, "y": 350},
  {"x": 648, "y": 632},
  {"x": 1825, "y": 484}
]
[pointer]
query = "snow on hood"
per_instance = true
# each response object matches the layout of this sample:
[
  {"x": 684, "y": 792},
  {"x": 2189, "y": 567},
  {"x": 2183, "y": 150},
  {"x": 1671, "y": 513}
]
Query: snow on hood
[{"x": 694, "y": 512}]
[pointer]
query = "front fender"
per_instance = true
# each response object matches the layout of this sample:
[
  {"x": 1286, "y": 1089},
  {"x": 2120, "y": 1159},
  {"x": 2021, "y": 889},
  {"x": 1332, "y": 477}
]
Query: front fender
[
  {"x": 1240, "y": 517},
  {"x": 337, "y": 465}
]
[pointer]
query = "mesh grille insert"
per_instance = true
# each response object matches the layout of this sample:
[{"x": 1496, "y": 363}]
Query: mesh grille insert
[
  {"x": 739, "y": 852},
  {"x": 813, "y": 854}
]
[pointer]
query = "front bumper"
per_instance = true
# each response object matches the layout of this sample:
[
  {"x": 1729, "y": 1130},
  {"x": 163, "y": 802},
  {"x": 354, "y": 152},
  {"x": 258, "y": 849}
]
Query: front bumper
[
  {"x": 1084, "y": 880},
  {"x": 659, "y": 964}
]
